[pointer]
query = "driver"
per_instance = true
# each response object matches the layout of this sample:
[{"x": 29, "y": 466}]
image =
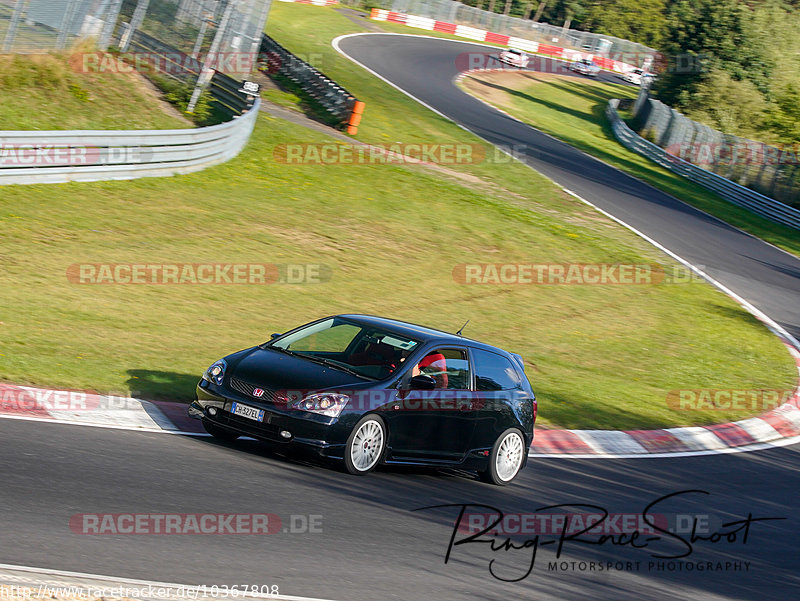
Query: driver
[{"x": 434, "y": 365}]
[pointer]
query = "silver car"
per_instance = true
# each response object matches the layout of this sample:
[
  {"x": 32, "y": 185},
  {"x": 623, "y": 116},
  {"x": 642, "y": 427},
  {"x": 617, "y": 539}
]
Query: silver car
[{"x": 585, "y": 66}]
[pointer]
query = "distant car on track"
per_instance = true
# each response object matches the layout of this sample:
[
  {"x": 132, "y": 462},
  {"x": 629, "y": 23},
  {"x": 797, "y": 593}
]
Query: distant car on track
[
  {"x": 636, "y": 76},
  {"x": 514, "y": 57},
  {"x": 367, "y": 390},
  {"x": 585, "y": 66}
]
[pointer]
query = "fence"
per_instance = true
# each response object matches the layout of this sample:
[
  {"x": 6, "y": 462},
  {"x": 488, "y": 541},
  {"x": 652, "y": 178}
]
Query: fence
[
  {"x": 455, "y": 12},
  {"x": 171, "y": 62},
  {"x": 331, "y": 96},
  {"x": 770, "y": 170},
  {"x": 231, "y": 27},
  {"x": 227, "y": 28},
  {"x": 727, "y": 189},
  {"x": 39, "y": 157},
  {"x": 37, "y": 25}
]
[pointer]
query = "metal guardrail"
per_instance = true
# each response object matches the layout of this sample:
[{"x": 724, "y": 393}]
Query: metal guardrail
[
  {"x": 38, "y": 157},
  {"x": 771, "y": 170},
  {"x": 330, "y": 95},
  {"x": 730, "y": 191}
]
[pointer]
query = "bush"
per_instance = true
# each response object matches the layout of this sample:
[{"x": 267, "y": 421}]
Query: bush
[{"x": 179, "y": 93}]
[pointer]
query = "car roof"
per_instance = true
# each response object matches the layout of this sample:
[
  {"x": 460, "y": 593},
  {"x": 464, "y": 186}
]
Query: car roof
[{"x": 422, "y": 333}]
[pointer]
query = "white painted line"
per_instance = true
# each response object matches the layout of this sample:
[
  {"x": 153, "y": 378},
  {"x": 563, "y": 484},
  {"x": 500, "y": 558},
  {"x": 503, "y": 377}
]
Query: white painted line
[
  {"x": 761, "y": 446},
  {"x": 745, "y": 304},
  {"x": 703, "y": 441},
  {"x": 768, "y": 321},
  {"x": 606, "y": 443},
  {"x": 185, "y": 589}
]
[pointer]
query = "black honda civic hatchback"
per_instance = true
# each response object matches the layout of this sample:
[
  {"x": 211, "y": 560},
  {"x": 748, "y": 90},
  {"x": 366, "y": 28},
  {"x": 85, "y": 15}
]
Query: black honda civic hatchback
[{"x": 367, "y": 390}]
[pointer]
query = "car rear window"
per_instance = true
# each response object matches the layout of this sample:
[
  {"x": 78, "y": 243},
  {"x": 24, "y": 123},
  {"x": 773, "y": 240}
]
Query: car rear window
[{"x": 495, "y": 372}]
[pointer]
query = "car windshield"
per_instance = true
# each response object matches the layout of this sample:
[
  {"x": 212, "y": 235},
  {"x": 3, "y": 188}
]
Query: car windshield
[{"x": 365, "y": 351}]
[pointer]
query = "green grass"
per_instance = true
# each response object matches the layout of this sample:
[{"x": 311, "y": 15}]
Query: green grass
[
  {"x": 49, "y": 91},
  {"x": 573, "y": 110},
  {"x": 281, "y": 98},
  {"x": 598, "y": 356}
]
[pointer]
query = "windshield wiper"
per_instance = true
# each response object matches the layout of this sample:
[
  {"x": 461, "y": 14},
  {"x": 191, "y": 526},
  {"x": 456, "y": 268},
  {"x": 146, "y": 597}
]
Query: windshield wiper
[
  {"x": 321, "y": 360},
  {"x": 282, "y": 350},
  {"x": 331, "y": 363},
  {"x": 343, "y": 366}
]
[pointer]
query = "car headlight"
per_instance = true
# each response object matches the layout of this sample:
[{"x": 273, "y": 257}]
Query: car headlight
[
  {"x": 216, "y": 372},
  {"x": 324, "y": 403}
]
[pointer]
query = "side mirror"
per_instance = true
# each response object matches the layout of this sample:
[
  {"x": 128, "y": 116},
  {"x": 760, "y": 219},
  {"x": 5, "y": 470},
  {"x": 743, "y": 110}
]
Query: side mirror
[
  {"x": 422, "y": 382},
  {"x": 273, "y": 336}
]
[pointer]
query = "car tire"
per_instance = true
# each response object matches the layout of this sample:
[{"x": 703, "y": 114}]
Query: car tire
[
  {"x": 219, "y": 432},
  {"x": 365, "y": 446},
  {"x": 506, "y": 458}
]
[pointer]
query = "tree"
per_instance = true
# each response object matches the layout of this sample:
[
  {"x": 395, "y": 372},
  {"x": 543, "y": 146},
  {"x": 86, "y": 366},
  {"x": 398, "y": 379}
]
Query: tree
[
  {"x": 542, "y": 6},
  {"x": 564, "y": 11},
  {"x": 705, "y": 35},
  {"x": 784, "y": 118},
  {"x": 640, "y": 21}
]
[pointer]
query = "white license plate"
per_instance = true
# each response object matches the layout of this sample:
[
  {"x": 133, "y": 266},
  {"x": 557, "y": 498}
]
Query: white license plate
[{"x": 248, "y": 412}]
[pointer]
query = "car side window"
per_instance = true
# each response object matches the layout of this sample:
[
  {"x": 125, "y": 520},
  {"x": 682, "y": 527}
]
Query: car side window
[
  {"x": 449, "y": 367},
  {"x": 495, "y": 372}
]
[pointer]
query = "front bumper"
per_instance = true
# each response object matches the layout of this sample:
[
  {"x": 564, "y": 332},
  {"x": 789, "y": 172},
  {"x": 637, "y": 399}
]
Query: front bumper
[{"x": 305, "y": 430}]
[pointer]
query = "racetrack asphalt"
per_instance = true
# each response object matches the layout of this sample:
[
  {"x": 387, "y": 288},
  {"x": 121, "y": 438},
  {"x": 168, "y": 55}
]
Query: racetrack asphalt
[{"x": 373, "y": 545}]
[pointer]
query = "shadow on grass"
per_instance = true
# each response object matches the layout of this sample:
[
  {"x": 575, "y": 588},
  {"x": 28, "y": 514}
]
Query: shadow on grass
[
  {"x": 737, "y": 313},
  {"x": 162, "y": 385},
  {"x": 551, "y": 105},
  {"x": 591, "y": 91},
  {"x": 573, "y": 413},
  {"x": 310, "y": 107}
]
